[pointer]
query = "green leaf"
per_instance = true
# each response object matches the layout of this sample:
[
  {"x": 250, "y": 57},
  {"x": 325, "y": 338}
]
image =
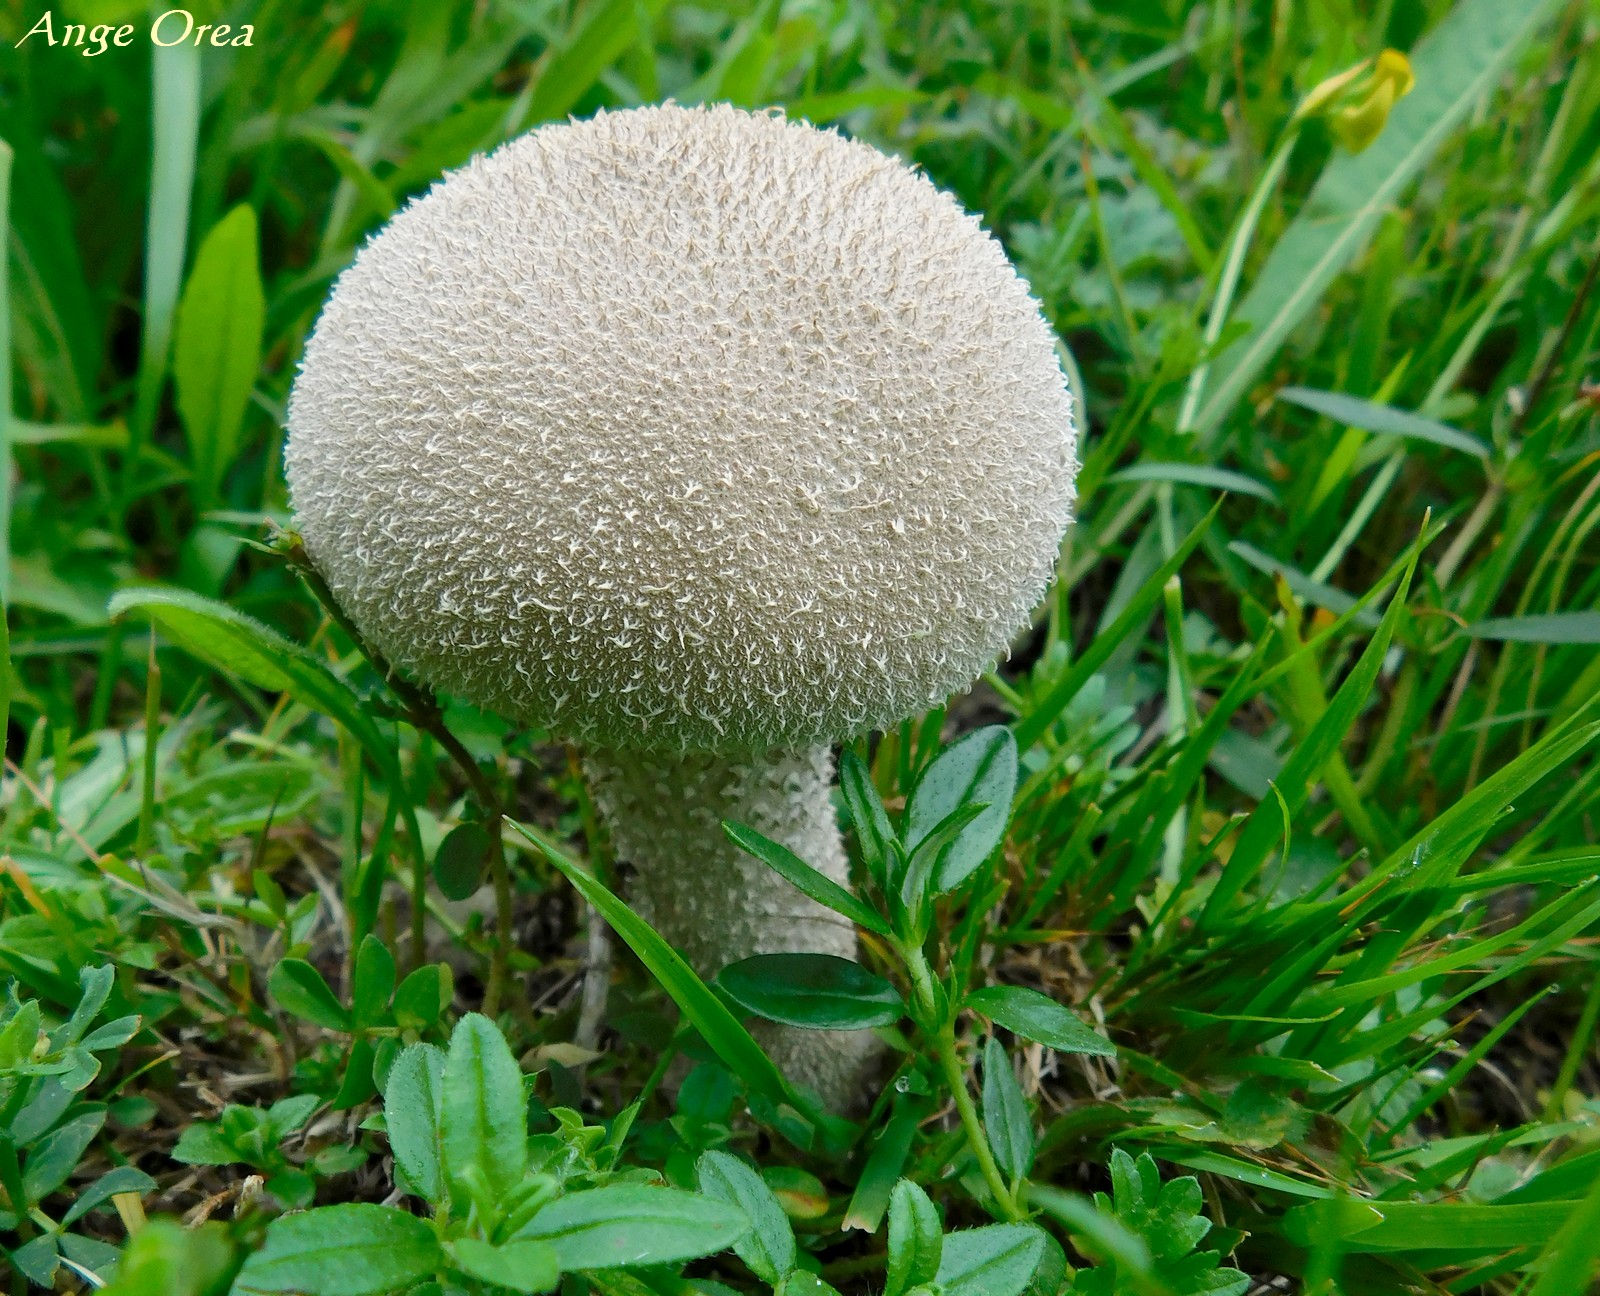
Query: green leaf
[
  {"x": 980, "y": 768},
  {"x": 203, "y": 1143},
  {"x": 821, "y": 888},
  {"x": 916, "y": 889},
  {"x": 873, "y": 830},
  {"x": 597, "y": 38},
  {"x": 484, "y": 1109},
  {"x": 89, "y": 1253},
  {"x": 769, "y": 1247},
  {"x": 238, "y": 645},
  {"x": 372, "y": 982},
  {"x": 1372, "y": 417},
  {"x": 462, "y": 861},
  {"x": 20, "y": 1035},
  {"x": 998, "y": 1260},
  {"x": 916, "y": 1239},
  {"x": 523, "y": 1266},
  {"x": 287, "y": 1115},
  {"x": 356, "y": 1249},
  {"x": 38, "y": 1260},
  {"x": 1109, "y": 1235},
  {"x": 300, "y": 990},
  {"x": 96, "y": 984},
  {"x": 1456, "y": 65},
  {"x": 1039, "y": 1018},
  {"x": 720, "y": 1028},
  {"x": 121, "y": 1179},
  {"x": 175, "y": 118},
  {"x": 1005, "y": 1113},
  {"x": 875, "y": 1185},
  {"x": 819, "y": 991},
  {"x": 218, "y": 347},
  {"x": 1196, "y": 475},
  {"x": 1459, "y": 1226},
  {"x": 1545, "y": 628},
  {"x": 1315, "y": 592},
  {"x": 411, "y": 1106},
  {"x": 633, "y": 1224},
  {"x": 56, "y": 1155},
  {"x": 423, "y": 996},
  {"x": 114, "y": 1034},
  {"x": 801, "y": 1194},
  {"x": 357, "y": 1086}
]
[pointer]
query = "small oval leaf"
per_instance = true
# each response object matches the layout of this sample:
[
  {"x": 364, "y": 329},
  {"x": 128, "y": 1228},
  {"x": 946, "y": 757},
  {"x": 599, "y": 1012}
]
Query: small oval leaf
[
  {"x": 462, "y": 861},
  {"x": 1039, "y": 1018},
  {"x": 916, "y": 1239},
  {"x": 484, "y": 1110},
  {"x": 356, "y": 1249},
  {"x": 634, "y": 1224},
  {"x": 423, "y": 996},
  {"x": 300, "y": 990},
  {"x": 769, "y": 1247},
  {"x": 819, "y": 991},
  {"x": 373, "y": 981},
  {"x": 1005, "y": 1113},
  {"x": 997, "y": 1260},
  {"x": 980, "y": 768}
]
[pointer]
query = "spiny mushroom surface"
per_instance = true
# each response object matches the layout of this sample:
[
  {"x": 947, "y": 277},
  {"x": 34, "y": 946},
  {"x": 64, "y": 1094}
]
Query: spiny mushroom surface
[
  {"x": 707, "y": 439},
  {"x": 685, "y": 429}
]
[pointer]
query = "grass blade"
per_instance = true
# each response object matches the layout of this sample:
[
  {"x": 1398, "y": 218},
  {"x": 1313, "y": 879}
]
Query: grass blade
[{"x": 176, "y": 123}]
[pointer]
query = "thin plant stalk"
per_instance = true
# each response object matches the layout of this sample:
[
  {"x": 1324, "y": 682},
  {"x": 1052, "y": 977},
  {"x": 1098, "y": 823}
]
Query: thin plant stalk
[
  {"x": 422, "y": 712},
  {"x": 152, "y": 735},
  {"x": 1232, "y": 269},
  {"x": 941, "y": 1032},
  {"x": 5, "y": 393}
]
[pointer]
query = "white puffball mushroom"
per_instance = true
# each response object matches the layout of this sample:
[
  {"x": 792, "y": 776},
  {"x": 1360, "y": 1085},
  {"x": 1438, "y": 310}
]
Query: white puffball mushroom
[{"x": 702, "y": 437}]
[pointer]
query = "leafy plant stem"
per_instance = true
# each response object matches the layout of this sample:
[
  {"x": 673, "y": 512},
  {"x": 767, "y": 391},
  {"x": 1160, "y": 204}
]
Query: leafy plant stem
[
  {"x": 939, "y": 1027},
  {"x": 945, "y": 1042}
]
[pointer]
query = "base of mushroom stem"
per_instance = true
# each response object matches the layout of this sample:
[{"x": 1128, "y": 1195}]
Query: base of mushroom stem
[{"x": 717, "y": 905}]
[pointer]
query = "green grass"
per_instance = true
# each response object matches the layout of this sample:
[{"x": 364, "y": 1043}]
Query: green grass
[{"x": 1306, "y": 813}]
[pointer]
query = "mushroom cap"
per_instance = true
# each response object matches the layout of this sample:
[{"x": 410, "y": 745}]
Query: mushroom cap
[{"x": 685, "y": 429}]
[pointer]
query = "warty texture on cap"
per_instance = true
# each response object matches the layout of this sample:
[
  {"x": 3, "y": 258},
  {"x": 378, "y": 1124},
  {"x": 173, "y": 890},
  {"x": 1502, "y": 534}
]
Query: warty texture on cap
[{"x": 685, "y": 429}]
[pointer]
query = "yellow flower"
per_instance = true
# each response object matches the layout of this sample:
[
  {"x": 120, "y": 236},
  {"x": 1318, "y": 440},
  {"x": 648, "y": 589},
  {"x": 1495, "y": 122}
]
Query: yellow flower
[{"x": 1357, "y": 101}]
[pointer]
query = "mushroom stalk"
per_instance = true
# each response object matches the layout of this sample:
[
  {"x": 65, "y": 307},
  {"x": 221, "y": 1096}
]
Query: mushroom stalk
[{"x": 717, "y": 905}]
